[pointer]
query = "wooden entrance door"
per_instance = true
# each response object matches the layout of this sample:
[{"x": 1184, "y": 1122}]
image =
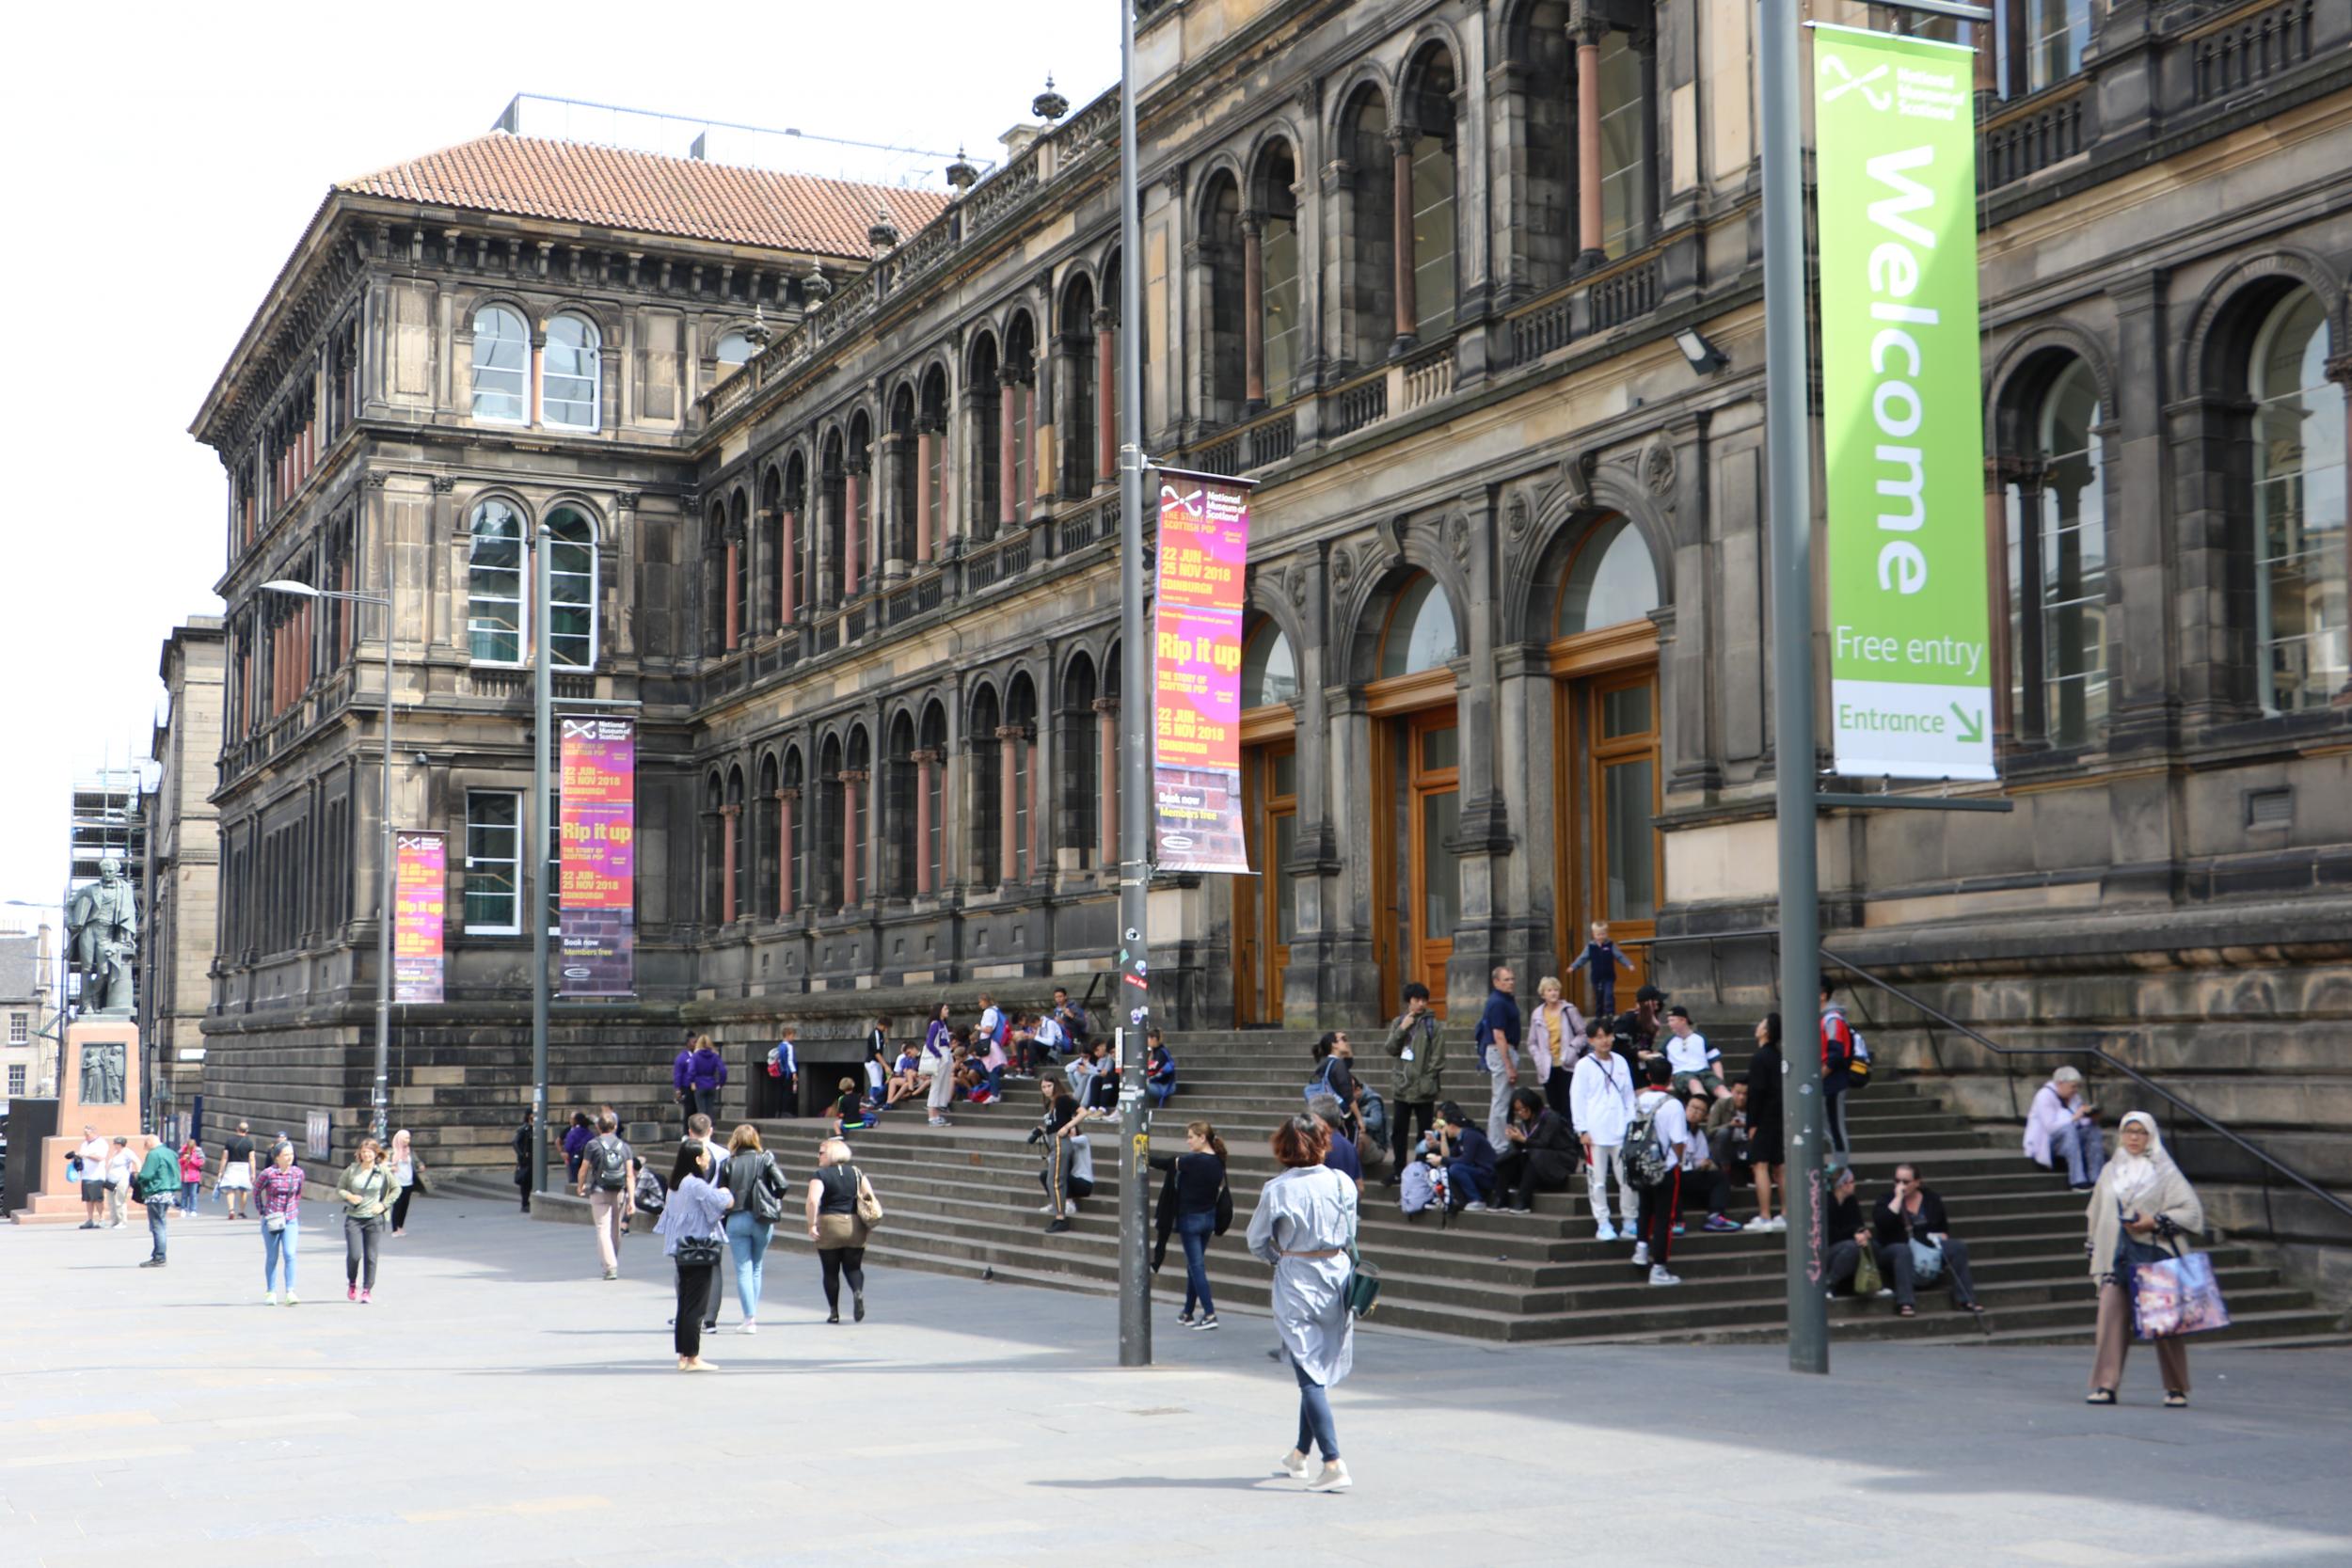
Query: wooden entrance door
[
  {"x": 1265, "y": 914},
  {"x": 1622, "y": 786},
  {"x": 1433, "y": 878}
]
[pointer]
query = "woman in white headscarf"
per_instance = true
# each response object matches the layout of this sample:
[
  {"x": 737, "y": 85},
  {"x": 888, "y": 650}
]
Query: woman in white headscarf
[{"x": 2142, "y": 1194}]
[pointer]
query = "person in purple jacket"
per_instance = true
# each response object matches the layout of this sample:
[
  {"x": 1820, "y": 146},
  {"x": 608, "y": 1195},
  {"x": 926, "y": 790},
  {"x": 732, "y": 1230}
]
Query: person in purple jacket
[
  {"x": 681, "y": 1078},
  {"x": 706, "y": 1075}
]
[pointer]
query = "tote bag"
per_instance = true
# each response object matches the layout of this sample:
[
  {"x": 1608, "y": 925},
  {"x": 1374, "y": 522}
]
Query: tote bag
[{"x": 2176, "y": 1296}]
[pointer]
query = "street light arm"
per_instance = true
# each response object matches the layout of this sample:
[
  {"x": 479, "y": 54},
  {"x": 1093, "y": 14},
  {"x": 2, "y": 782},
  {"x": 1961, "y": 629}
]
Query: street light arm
[{"x": 304, "y": 591}]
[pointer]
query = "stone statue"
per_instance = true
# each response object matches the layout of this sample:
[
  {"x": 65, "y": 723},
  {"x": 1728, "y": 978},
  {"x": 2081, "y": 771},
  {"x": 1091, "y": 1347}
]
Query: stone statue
[
  {"x": 102, "y": 1073},
  {"x": 101, "y": 932}
]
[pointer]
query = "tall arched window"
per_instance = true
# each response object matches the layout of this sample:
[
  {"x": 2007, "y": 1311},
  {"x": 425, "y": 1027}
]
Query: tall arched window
[
  {"x": 1281, "y": 326},
  {"x": 900, "y": 815},
  {"x": 714, "y": 850},
  {"x": 1420, "y": 634},
  {"x": 1625, "y": 199},
  {"x": 767, "y": 815},
  {"x": 1611, "y": 581},
  {"x": 2299, "y": 468},
  {"x": 1367, "y": 268},
  {"x": 793, "y": 838},
  {"x": 1433, "y": 187},
  {"x": 987, "y": 840},
  {"x": 1021, "y": 778},
  {"x": 1223, "y": 352},
  {"x": 1079, "y": 392},
  {"x": 1269, "y": 671},
  {"x": 826, "y": 868},
  {"x": 1080, "y": 828},
  {"x": 1021, "y": 363},
  {"x": 2058, "y": 571},
  {"x": 932, "y": 782},
  {"x": 570, "y": 374},
  {"x": 571, "y": 589},
  {"x": 855, "y": 781},
  {"x": 984, "y": 394},
  {"x": 501, "y": 365},
  {"x": 494, "y": 585}
]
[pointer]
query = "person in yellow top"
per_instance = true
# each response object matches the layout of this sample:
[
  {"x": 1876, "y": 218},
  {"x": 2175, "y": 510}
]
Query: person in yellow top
[{"x": 368, "y": 1191}]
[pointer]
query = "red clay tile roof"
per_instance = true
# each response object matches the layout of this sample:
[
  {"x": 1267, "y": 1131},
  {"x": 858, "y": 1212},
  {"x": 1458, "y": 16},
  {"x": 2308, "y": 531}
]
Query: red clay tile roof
[{"x": 616, "y": 188}]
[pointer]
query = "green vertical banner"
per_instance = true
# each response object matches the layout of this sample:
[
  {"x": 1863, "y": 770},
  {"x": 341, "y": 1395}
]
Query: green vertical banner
[{"x": 1911, "y": 690}]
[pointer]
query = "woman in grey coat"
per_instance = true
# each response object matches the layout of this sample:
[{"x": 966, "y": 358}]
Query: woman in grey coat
[{"x": 1304, "y": 1221}]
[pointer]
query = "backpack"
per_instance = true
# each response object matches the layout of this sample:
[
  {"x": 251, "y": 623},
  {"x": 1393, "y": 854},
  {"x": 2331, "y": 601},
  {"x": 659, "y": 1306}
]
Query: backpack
[
  {"x": 652, "y": 1195},
  {"x": 609, "y": 1158},
  {"x": 1321, "y": 1082},
  {"x": 1640, "y": 1154},
  {"x": 1374, "y": 1113},
  {"x": 1858, "y": 1065},
  {"x": 1417, "y": 1189}
]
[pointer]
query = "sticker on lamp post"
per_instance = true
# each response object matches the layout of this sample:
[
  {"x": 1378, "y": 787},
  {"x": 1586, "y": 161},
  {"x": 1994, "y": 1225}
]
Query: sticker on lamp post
[{"x": 1911, "y": 688}]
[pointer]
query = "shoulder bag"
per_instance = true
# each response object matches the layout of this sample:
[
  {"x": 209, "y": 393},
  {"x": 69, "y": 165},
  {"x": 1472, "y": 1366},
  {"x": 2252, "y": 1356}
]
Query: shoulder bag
[
  {"x": 699, "y": 1252},
  {"x": 1363, "y": 1279},
  {"x": 869, "y": 1208}
]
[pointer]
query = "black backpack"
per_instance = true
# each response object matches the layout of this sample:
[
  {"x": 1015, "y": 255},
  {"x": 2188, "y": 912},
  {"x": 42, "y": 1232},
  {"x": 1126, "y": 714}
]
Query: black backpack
[
  {"x": 652, "y": 1195},
  {"x": 608, "y": 1157},
  {"x": 1640, "y": 1154}
]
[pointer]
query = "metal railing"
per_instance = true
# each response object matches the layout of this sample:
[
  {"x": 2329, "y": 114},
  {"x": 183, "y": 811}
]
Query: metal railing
[{"x": 2175, "y": 1106}]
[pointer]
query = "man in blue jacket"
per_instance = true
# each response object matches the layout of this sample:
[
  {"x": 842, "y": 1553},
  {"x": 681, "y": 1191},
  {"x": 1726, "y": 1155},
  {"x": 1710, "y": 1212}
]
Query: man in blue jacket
[{"x": 1469, "y": 1159}]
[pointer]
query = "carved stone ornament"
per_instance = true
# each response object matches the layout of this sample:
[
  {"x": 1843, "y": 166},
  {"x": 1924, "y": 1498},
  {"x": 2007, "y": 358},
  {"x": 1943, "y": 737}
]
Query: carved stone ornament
[
  {"x": 1576, "y": 480},
  {"x": 1658, "y": 468},
  {"x": 444, "y": 484},
  {"x": 1457, "y": 536},
  {"x": 1297, "y": 584},
  {"x": 379, "y": 478},
  {"x": 1342, "y": 570},
  {"x": 1517, "y": 516}
]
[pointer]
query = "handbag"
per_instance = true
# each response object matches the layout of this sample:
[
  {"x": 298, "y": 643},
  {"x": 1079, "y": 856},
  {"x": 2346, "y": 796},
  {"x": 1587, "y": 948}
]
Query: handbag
[
  {"x": 1867, "y": 1279},
  {"x": 699, "y": 1252},
  {"x": 2177, "y": 1295},
  {"x": 1927, "y": 1261},
  {"x": 274, "y": 1222},
  {"x": 1363, "y": 1279},
  {"x": 869, "y": 1208}
]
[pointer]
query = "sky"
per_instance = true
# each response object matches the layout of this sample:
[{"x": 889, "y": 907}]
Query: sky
[{"x": 152, "y": 202}]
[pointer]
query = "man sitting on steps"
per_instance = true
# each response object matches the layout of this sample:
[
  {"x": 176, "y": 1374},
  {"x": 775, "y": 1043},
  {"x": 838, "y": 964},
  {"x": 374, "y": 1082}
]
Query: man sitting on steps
[{"x": 1469, "y": 1160}]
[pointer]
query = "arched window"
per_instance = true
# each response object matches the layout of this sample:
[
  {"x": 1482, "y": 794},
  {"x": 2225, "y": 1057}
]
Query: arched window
[
  {"x": 1368, "y": 275},
  {"x": 905, "y": 477},
  {"x": 1080, "y": 828},
  {"x": 570, "y": 374},
  {"x": 1421, "y": 634},
  {"x": 1079, "y": 392},
  {"x": 1021, "y": 363},
  {"x": 1433, "y": 187},
  {"x": 1269, "y": 671},
  {"x": 984, "y": 495},
  {"x": 1021, "y": 778},
  {"x": 1223, "y": 352},
  {"x": 855, "y": 781},
  {"x": 901, "y": 784},
  {"x": 793, "y": 839},
  {"x": 738, "y": 862},
  {"x": 2299, "y": 467},
  {"x": 1625, "y": 199},
  {"x": 502, "y": 360},
  {"x": 932, "y": 451},
  {"x": 571, "y": 589},
  {"x": 833, "y": 492},
  {"x": 731, "y": 351},
  {"x": 494, "y": 585},
  {"x": 859, "y": 488},
  {"x": 2055, "y": 34},
  {"x": 2059, "y": 572},
  {"x": 1611, "y": 581},
  {"x": 987, "y": 842},
  {"x": 933, "y": 785},
  {"x": 828, "y": 867},
  {"x": 1281, "y": 324},
  {"x": 767, "y": 818},
  {"x": 714, "y": 850}
]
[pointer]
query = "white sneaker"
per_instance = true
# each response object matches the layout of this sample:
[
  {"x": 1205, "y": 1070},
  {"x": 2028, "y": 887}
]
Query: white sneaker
[
  {"x": 1473, "y": 1207},
  {"x": 749, "y": 1327},
  {"x": 1294, "y": 1464},
  {"x": 293, "y": 1300},
  {"x": 1640, "y": 1253},
  {"x": 1333, "y": 1479},
  {"x": 269, "y": 1298},
  {"x": 1658, "y": 1276},
  {"x": 1780, "y": 1221},
  {"x": 1606, "y": 1233},
  {"x": 1759, "y": 1223}
]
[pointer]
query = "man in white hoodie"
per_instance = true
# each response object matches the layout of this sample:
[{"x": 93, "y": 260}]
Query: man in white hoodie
[{"x": 1600, "y": 1105}]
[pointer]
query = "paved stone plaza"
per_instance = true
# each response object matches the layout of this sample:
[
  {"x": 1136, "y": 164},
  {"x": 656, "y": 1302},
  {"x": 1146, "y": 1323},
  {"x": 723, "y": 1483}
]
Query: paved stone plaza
[{"x": 500, "y": 1404}]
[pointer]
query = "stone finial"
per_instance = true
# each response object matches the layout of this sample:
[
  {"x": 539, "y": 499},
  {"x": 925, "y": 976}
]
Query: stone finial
[
  {"x": 962, "y": 174},
  {"x": 1049, "y": 105}
]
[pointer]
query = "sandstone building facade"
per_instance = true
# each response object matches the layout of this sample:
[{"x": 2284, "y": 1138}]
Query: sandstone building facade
[{"x": 827, "y": 476}]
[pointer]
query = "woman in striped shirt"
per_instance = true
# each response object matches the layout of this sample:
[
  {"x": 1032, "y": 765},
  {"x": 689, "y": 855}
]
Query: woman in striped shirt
[{"x": 278, "y": 1198}]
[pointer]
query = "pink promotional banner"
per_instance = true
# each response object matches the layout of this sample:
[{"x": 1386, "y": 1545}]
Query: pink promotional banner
[
  {"x": 1196, "y": 673},
  {"x": 419, "y": 903},
  {"x": 596, "y": 892}
]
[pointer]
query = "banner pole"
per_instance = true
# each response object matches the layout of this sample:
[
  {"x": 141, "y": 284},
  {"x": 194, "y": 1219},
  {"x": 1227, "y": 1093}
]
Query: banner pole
[
  {"x": 1788, "y": 464},
  {"x": 1132, "y": 1002},
  {"x": 541, "y": 721}
]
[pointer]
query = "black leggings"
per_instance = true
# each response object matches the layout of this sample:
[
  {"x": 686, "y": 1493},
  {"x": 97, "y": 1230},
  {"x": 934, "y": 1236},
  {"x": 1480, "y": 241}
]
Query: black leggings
[
  {"x": 400, "y": 1209},
  {"x": 839, "y": 1260},
  {"x": 693, "y": 1289},
  {"x": 359, "y": 1241},
  {"x": 1401, "y": 1118}
]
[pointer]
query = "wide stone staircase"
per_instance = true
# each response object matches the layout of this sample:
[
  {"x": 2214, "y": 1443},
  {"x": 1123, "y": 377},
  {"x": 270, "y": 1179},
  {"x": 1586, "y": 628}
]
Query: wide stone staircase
[{"x": 965, "y": 1199}]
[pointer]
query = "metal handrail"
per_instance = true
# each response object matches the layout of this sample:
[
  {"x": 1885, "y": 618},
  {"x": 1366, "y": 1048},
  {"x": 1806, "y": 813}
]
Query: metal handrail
[{"x": 2096, "y": 1052}]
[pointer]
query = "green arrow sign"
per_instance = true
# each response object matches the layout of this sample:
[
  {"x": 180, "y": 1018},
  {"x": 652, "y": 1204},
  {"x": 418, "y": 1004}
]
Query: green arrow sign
[{"x": 1903, "y": 428}]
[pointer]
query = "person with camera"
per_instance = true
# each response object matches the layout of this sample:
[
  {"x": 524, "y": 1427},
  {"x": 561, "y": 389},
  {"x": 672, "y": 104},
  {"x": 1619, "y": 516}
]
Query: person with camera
[
  {"x": 1468, "y": 1160},
  {"x": 1059, "y": 1135}
]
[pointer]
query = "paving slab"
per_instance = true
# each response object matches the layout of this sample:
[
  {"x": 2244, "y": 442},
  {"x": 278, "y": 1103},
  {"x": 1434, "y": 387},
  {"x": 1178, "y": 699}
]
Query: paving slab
[{"x": 499, "y": 1403}]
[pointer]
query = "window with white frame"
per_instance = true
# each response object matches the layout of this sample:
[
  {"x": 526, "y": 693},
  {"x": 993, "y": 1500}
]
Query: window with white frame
[
  {"x": 494, "y": 858},
  {"x": 571, "y": 544},
  {"x": 16, "y": 1078},
  {"x": 2299, "y": 509},
  {"x": 501, "y": 365},
  {"x": 569, "y": 374},
  {"x": 20, "y": 1028},
  {"x": 494, "y": 585}
]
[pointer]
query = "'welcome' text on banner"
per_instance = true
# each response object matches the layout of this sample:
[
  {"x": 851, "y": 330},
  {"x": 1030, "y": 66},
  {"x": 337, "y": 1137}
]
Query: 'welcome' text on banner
[
  {"x": 1196, "y": 673},
  {"x": 1903, "y": 429},
  {"x": 419, "y": 901},
  {"x": 597, "y": 894}
]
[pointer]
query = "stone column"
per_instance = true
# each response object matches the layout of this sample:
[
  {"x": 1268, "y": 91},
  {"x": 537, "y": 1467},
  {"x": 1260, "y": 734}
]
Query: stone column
[
  {"x": 852, "y": 848},
  {"x": 1401, "y": 140},
  {"x": 735, "y": 583},
  {"x": 1107, "y": 771},
  {"x": 787, "y": 528},
  {"x": 1526, "y": 880},
  {"x": 1999, "y": 590},
  {"x": 1007, "y": 840},
  {"x": 1253, "y": 310},
  {"x": 924, "y": 763},
  {"x": 727, "y": 815},
  {"x": 891, "y": 526},
  {"x": 854, "y": 530},
  {"x": 1106, "y": 398},
  {"x": 1008, "y": 464},
  {"x": 2029, "y": 475},
  {"x": 1587, "y": 37},
  {"x": 926, "y": 450},
  {"x": 1485, "y": 935},
  {"x": 787, "y": 800}
]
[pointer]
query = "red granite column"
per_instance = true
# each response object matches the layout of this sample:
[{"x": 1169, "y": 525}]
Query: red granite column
[
  {"x": 1588, "y": 144},
  {"x": 1401, "y": 141},
  {"x": 1106, "y": 400},
  {"x": 1107, "y": 768}
]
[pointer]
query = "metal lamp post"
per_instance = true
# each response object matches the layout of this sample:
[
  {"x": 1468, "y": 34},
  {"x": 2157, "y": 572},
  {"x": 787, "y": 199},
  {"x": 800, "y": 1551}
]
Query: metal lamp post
[{"x": 380, "y": 1103}]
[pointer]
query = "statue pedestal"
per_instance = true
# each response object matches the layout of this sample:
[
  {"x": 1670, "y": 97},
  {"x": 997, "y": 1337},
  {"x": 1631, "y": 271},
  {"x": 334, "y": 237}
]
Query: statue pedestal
[{"x": 89, "y": 1096}]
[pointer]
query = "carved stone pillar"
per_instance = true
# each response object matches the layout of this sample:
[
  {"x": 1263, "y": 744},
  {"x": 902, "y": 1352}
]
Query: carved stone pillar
[
  {"x": 727, "y": 815},
  {"x": 1401, "y": 140},
  {"x": 1106, "y": 767},
  {"x": 786, "y": 801},
  {"x": 924, "y": 763},
  {"x": 852, "y": 848},
  {"x": 1253, "y": 310},
  {"x": 1587, "y": 37},
  {"x": 1106, "y": 398},
  {"x": 926, "y": 453},
  {"x": 1007, "y": 466},
  {"x": 854, "y": 530}
]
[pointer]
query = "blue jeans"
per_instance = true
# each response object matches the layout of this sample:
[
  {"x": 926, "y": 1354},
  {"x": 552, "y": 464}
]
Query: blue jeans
[
  {"x": 1471, "y": 1184},
  {"x": 1314, "y": 1416},
  {"x": 158, "y": 1215},
  {"x": 1194, "y": 1230},
  {"x": 747, "y": 1241},
  {"x": 1158, "y": 1091},
  {"x": 189, "y": 1193},
  {"x": 2078, "y": 1144},
  {"x": 277, "y": 1244}
]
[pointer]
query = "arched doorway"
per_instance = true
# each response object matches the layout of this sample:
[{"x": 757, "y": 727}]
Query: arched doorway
[
  {"x": 1265, "y": 909},
  {"x": 1417, "y": 884},
  {"x": 1606, "y": 786}
]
